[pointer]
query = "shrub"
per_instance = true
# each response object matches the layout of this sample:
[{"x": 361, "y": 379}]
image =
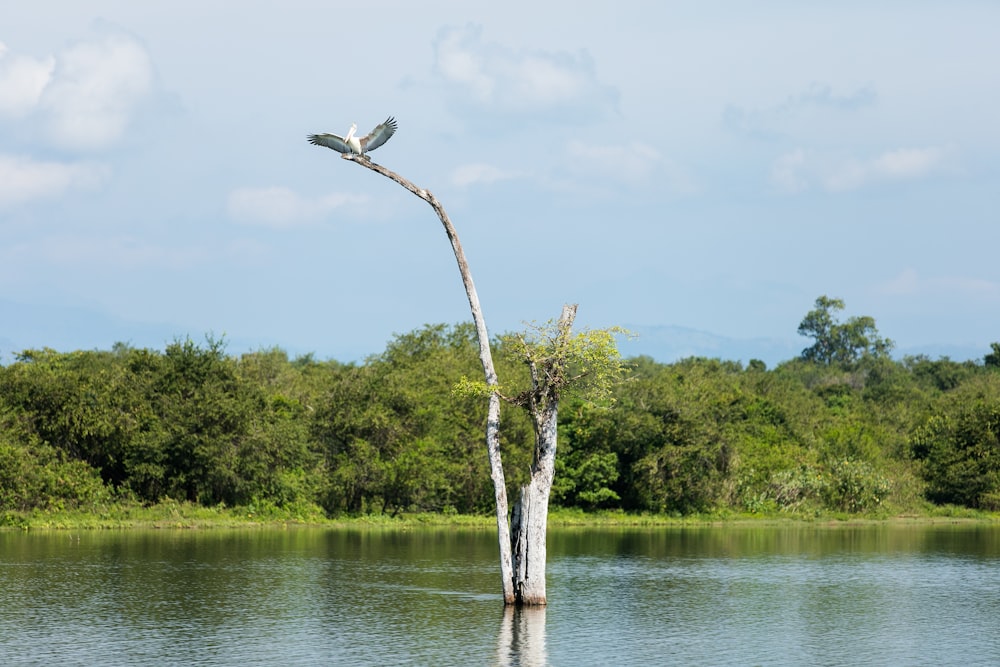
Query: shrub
[{"x": 855, "y": 486}]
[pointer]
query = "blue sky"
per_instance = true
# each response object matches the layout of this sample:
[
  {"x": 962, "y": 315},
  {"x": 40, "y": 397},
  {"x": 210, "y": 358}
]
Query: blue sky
[{"x": 698, "y": 172}]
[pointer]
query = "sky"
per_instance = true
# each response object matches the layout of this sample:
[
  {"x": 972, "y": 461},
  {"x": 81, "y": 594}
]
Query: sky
[{"x": 698, "y": 172}]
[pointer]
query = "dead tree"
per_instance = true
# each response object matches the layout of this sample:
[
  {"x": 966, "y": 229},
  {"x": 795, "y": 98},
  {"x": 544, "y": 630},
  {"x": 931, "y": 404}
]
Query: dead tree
[
  {"x": 557, "y": 360},
  {"x": 548, "y": 366},
  {"x": 486, "y": 357}
]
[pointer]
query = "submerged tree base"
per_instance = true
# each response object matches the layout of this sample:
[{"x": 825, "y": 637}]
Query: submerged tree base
[{"x": 529, "y": 522}]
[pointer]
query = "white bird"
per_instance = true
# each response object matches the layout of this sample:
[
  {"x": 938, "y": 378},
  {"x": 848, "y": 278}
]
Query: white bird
[{"x": 353, "y": 144}]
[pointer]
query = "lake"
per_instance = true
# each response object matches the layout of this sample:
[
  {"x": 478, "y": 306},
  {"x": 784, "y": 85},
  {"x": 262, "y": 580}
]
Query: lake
[{"x": 797, "y": 594}]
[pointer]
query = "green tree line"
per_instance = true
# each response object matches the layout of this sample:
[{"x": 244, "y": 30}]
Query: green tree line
[{"x": 843, "y": 428}]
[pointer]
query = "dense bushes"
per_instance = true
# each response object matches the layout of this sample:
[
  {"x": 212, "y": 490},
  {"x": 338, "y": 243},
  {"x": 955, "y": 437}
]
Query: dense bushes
[
  {"x": 39, "y": 477},
  {"x": 960, "y": 446},
  {"x": 83, "y": 429}
]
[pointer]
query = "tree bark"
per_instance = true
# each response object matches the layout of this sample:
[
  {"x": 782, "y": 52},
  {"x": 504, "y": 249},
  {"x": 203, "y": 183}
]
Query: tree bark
[
  {"x": 486, "y": 357},
  {"x": 531, "y": 512}
]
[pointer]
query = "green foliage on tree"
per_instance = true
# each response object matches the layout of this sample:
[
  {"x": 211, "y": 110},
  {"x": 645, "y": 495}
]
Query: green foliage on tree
[
  {"x": 88, "y": 429},
  {"x": 36, "y": 476},
  {"x": 587, "y": 468},
  {"x": 959, "y": 446},
  {"x": 838, "y": 342},
  {"x": 182, "y": 424},
  {"x": 396, "y": 438},
  {"x": 992, "y": 360},
  {"x": 585, "y": 365}
]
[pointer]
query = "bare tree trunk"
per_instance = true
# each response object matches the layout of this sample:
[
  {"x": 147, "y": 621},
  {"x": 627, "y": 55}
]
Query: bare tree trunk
[
  {"x": 530, "y": 520},
  {"x": 531, "y": 512},
  {"x": 486, "y": 357}
]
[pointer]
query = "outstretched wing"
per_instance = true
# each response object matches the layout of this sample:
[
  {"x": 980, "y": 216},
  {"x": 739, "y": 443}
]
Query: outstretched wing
[
  {"x": 379, "y": 135},
  {"x": 330, "y": 141}
]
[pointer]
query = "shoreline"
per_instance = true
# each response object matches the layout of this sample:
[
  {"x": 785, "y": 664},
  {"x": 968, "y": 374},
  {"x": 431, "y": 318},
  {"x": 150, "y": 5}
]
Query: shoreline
[{"x": 184, "y": 516}]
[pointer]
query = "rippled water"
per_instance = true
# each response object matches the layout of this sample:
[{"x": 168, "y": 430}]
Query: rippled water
[{"x": 800, "y": 595}]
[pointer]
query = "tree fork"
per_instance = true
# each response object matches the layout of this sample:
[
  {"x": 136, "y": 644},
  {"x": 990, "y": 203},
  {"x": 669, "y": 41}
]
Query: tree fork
[{"x": 531, "y": 512}]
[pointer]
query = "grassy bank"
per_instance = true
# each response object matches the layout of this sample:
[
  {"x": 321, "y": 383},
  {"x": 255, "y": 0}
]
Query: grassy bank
[{"x": 177, "y": 515}]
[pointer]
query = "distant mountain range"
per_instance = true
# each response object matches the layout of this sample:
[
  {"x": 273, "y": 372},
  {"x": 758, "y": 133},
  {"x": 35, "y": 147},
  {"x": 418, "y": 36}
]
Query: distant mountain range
[
  {"x": 671, "y": 343},
  {"x": 66, "y": 328},
  {"x": 24, "y": 326}
]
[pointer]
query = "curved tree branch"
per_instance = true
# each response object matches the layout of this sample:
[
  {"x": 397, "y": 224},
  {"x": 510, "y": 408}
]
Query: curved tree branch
[{"x": 485, "y": 356}]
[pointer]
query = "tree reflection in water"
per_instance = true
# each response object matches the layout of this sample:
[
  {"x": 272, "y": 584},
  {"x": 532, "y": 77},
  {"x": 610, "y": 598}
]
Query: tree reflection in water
[{"x": 521, "y": 640}]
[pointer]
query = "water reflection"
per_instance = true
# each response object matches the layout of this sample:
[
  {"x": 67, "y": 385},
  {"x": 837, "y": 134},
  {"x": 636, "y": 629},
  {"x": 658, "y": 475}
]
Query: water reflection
[
  {"x": 521, "y": 640},
  {"x": 882, "y": 595}
]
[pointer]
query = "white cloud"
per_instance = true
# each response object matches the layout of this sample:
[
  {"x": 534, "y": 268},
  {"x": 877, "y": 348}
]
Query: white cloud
[
  {"x": 458, "y": 63},
  {"x": 786, "y": 172},
  {"x": 23, "y": 179},
  {"x": 22, "y": 80},
  {"x": 908, "y": 162},
  {"x": 631, "y": 163},
  {"x": 84, "y": 97},
  {"x": 907, "y": 282},
  {"x": 497, "y": 79},
  {"x": 798, "y": 170},
  {"x": 95, "y": 88},
  {"x": 123, "y": 252},
  {"x": 550, "y": 79},
  {"x": 896, "y": 165},
  {"x": 910, "y": 283},
  {"x": 282, "y": 208},
  {"x": 814, "y": 106},
  {"x": 480, "y": 173}
]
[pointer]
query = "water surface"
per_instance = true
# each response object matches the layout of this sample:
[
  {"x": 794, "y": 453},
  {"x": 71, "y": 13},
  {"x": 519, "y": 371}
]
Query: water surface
[{"x": 738, "y": 595}]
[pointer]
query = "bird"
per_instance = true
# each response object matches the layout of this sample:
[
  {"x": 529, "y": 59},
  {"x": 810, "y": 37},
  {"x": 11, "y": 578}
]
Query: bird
[{"x": 353, "y": 144}]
